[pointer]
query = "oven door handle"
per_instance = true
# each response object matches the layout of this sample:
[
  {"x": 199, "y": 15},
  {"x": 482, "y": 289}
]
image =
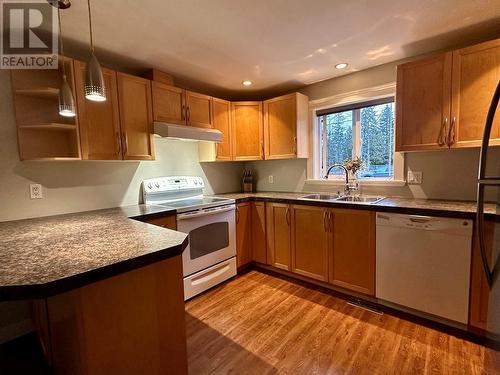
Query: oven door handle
[{"x": 208, "y": 212}]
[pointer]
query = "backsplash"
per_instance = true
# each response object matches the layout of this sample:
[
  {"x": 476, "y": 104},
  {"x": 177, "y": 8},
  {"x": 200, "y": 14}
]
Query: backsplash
[{"x": 447, "y": 174}]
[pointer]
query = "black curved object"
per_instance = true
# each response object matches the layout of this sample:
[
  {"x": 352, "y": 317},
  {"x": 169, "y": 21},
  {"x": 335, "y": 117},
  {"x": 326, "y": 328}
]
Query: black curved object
[{"x": 483, "y": 181}]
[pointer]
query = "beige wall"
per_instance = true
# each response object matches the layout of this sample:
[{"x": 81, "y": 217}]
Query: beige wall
[
  {"x": 447, "y": 174},
  {"x": 86, "y": 185},
  {"x": 80, "y": 186}
]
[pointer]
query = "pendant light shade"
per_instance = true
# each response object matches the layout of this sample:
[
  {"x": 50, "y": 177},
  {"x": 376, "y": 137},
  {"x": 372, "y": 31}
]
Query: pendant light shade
[
  {"x": 66, "y": 100},
  {"x": 95, "y": 89},
  {"x": 94, "y": 81}
]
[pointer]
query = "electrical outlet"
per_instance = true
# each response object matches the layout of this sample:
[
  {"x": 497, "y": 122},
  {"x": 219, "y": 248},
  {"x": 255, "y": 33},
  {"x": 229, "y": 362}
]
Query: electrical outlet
[
  {"x": 36, "y": 191},
  {"x": 414, "y": 177},
  {"x": 271, "y": 179}
]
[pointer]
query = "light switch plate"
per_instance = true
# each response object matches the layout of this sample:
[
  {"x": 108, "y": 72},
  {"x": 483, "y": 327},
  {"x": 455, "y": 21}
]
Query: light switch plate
[
  {"x": 271, "y": 179},
  {"x": 36, "y": 191},
  {"x": 414, "y": 177}
]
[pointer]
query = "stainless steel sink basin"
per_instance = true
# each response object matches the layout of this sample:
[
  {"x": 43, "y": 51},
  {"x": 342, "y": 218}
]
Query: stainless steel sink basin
[
  {"x": 321, "y": 197},
  {"x": 360, "y": 199},
  {"x": 340, "y": 198}
]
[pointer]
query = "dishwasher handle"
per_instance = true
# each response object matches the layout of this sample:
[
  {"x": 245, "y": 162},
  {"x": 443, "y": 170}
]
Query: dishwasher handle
[{"x": 420, "y": 222}]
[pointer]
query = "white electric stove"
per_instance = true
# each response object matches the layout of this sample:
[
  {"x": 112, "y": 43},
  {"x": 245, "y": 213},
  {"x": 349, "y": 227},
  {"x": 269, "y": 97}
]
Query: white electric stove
[{"x": 210, "y": 257}]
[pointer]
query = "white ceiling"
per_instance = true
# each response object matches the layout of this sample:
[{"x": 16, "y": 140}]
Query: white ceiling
[{"x": 278, "y": 44}]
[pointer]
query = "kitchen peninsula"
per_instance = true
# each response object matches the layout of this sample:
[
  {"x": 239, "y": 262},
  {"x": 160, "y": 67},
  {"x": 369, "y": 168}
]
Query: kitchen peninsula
[{"x": 107, "y": 289}]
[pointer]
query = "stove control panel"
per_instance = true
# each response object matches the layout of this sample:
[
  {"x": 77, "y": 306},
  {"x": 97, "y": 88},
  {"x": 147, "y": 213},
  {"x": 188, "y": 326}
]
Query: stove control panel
[{"x": 173, "y": 183}]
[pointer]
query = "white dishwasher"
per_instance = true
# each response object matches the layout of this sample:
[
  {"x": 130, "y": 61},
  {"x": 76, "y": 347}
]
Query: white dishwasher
[{"x": 424, "y": 262}]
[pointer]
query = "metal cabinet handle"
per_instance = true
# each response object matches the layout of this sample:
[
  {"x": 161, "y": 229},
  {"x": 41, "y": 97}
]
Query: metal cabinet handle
[
  {"x": 183, "y": 112},
  {"x": 125, "y": 144},
  {"x": 237, "y": 214},
  {"x": 295, "y": 145},
  {"x": 442, "y": 140},
  {"x": 188, "y": 114},
  {"x": 262, "y": 153},
  {"x": 451, "y": 133},
  {"x": 287, "y": 214},
  {"x": 325, "y": 220},
  {"x": 118, "y": 144}
]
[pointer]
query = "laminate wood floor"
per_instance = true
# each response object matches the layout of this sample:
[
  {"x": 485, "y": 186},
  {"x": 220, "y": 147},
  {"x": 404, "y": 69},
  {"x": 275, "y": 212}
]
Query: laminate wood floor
[{"x": 262, "y": 324}]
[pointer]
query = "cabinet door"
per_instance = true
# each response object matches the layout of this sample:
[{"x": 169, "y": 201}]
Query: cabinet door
[
  {"x": 246, "y": 130},
  {"x": 353, "y": 257},
  {"x": 222, "y": 121},
  {"x": 169, "y": 222},
  {"x": 198, "y": 110},
  {"x": 100, "y": 135},
  {"x": 280, "y": 127},
  {"x": 278, "y": 222},
  {"x": 310, "y": 244},
  {"x": 243, "y": 234},
  {"x": 423, "y": 97},
  {"x": 479, "y": 289},
  {"x": 259, "y": 249},
  {"x": 168, "y": 104},
  {"x": 134, "y": 94},
  {"x": 476, "y": 72}
]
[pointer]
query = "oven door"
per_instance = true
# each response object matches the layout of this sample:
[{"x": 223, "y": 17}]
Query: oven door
[{"x": 212, "y": 237}]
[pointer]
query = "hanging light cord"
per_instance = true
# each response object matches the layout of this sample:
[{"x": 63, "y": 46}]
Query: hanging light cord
[
  {"x": 90, "y": 28},
  {"x": 61, "y": 42}
]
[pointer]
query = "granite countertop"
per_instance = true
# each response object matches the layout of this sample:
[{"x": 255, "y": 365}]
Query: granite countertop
[
  {"x": 411, "y": 206},
  {"x": 49, "y": 255}
]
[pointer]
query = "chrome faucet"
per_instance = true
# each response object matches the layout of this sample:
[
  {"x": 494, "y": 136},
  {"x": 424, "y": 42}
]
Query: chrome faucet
[{"x": 347, "y": 188}]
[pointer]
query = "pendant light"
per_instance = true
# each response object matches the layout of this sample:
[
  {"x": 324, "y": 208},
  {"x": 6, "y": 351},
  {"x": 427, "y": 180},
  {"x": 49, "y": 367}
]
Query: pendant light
[
  {"x": 94, "y": 81},
  {"x": 66, "y": 99}
]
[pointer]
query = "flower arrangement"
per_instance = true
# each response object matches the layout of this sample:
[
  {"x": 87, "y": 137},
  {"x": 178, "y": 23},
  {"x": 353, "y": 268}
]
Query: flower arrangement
[{"x": 353, "y": 165}]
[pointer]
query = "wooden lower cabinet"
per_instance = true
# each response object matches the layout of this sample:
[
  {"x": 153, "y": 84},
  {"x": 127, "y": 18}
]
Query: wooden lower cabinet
[
  {"x": 258, "y": 217},
  {"x": 352, "y": 263},
  {"x": 310, "y": 241},
  {"x": 132, "y": 323},
  {"x": 169, "y": 222},
  {"x": 278, "y": 222},
  {"x": 243, "y": 234},
  {"x": 479, "y": 289}
]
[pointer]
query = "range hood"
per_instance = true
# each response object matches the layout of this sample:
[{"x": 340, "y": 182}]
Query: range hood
[{"x": 184, "y": 132}]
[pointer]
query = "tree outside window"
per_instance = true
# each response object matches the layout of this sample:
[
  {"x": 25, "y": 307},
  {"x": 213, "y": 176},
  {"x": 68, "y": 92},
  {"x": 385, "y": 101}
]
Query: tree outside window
[{"x": 367, "y": 132}]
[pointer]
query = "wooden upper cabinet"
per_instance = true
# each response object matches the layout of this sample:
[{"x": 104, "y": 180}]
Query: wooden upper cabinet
[
  {"x": 310, "y": 241},
  {"x": 352, "y": 263},
  {"x": 278, "y": 222},
  {"x": 198, "y": 109},
  {"x": 100, "y": 135},
  {"x": 247, "y": 131},
  {"x": 136, "y": 117},
  {"x": 285, "y": 127},
  {"x": 243, "y": 234},
  {"x": 259, "y": 247},
  {"x": 221, "y": 120},
  {"x": 476, "y": 72},
  {"x": 423, "y": 103},
  {"x": 168, "y": 103}
]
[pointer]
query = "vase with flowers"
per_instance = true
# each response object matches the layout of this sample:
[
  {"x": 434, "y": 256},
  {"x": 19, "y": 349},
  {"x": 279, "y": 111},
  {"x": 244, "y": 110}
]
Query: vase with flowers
[{"x": 353, "y": 166}]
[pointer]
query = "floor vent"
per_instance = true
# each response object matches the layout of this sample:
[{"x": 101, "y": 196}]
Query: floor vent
[{"x": 364, "y": 306}]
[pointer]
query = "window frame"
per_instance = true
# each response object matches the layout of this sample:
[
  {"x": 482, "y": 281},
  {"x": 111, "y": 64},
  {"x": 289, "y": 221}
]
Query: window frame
[{"x": 315, "y": 162}]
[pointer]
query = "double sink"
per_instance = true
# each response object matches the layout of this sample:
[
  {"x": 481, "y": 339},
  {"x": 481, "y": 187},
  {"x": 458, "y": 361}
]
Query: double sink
[{"x": 342, "y": 198}]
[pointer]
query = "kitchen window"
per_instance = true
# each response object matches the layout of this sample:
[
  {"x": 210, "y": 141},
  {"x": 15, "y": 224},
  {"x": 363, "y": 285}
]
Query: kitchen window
[{"x": 363, "y": 129}]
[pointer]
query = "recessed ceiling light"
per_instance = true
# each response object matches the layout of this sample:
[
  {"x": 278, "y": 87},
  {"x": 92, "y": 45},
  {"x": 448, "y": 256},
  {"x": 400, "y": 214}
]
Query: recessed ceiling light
[
  {"x": 341, "y": 66},
  {"x": 247, "y": 83}
]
